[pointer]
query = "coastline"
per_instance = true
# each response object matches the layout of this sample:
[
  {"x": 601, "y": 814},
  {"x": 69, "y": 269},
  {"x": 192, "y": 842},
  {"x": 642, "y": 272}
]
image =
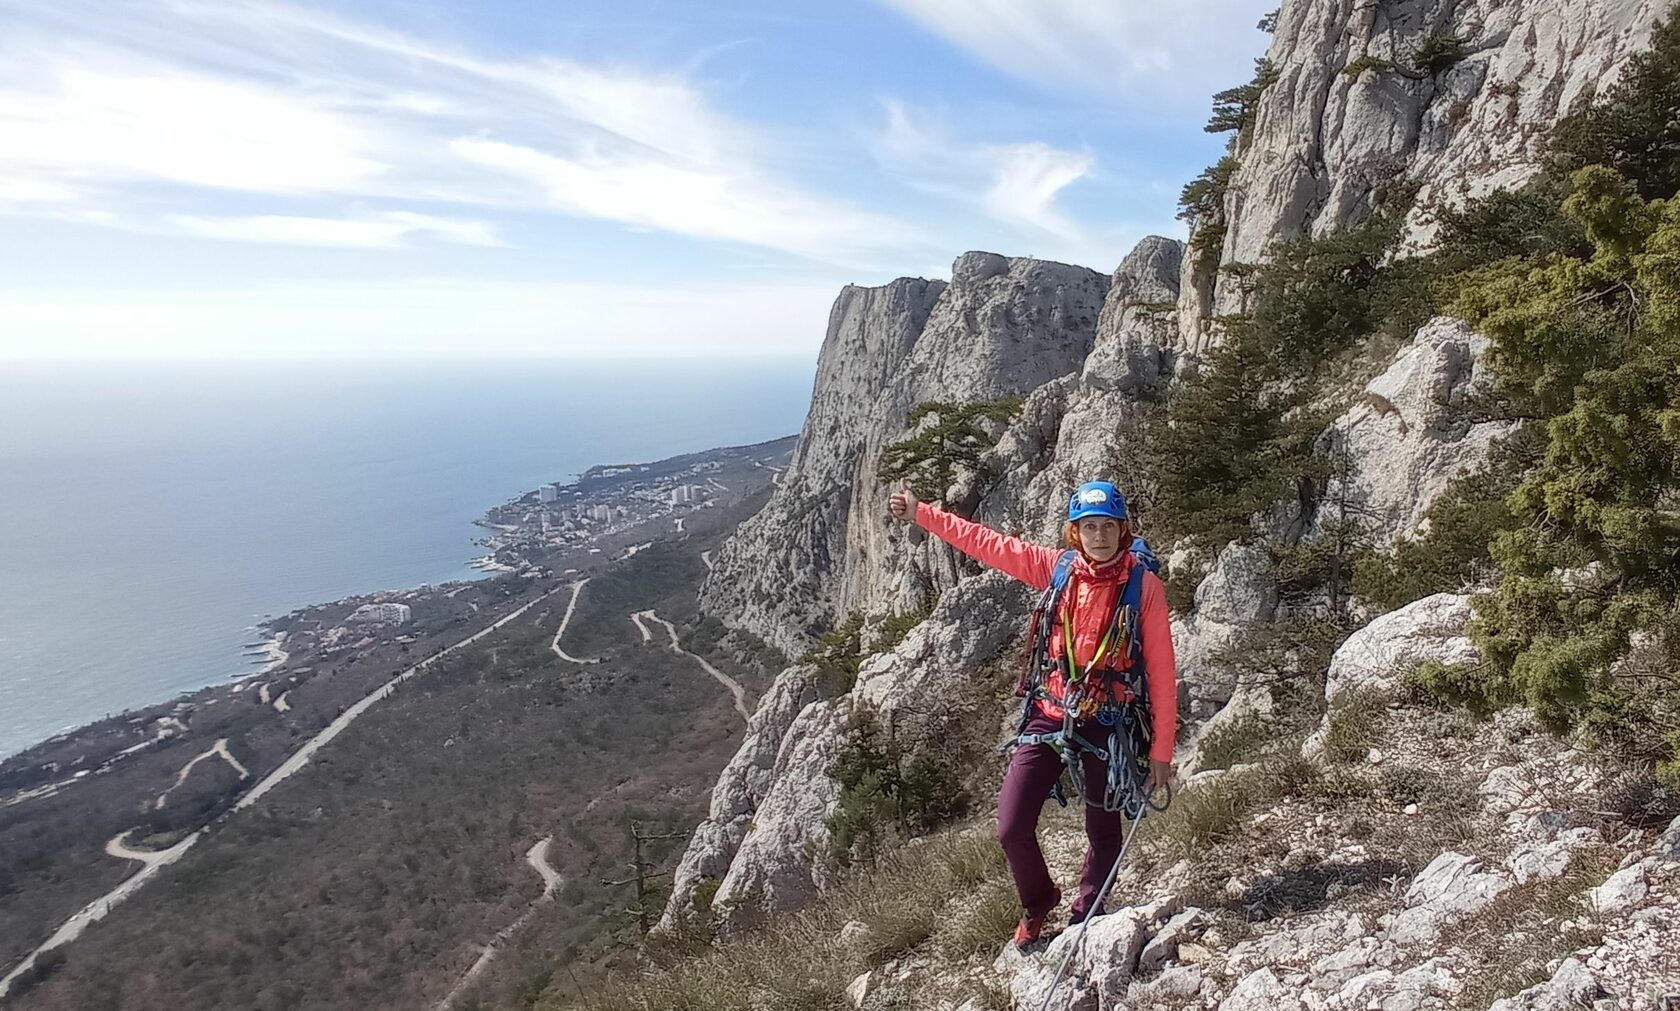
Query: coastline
[{"x": 503, "y": 559}]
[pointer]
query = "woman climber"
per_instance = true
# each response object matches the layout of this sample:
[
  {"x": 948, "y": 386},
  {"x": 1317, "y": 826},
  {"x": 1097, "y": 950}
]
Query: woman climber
[{"x": 1089, "y": 604}]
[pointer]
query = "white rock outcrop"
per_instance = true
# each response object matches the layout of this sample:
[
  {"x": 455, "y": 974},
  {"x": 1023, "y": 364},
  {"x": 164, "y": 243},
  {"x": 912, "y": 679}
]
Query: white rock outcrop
[
  {"x": 770, "y": 870},
  {"x": 1452, "y": 887},
  {"x": 1410, "y": 433},
  {"x": 1325, "y": 144},
  {"x": 1378, "y": 655},
  {"x": 740, "y": 790}
]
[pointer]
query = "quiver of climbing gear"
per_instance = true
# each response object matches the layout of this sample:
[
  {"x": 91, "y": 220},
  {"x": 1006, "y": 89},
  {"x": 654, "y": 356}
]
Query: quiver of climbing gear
[{"x": 1117, "y": 700}]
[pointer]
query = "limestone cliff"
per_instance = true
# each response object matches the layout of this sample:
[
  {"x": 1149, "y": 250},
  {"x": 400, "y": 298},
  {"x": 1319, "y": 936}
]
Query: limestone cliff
[
  {"x": 822, "y": 547},
  {"x": 1080, "y": 347},
  {"x": 1328, "y": 139}
]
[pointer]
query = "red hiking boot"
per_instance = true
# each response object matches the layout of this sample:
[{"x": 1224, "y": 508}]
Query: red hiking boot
[{"x": 1032, "y": 927}]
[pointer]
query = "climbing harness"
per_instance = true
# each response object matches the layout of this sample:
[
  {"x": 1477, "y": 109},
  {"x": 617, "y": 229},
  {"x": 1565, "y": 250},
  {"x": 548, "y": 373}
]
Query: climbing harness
[{"x": 1118, "y": 700}]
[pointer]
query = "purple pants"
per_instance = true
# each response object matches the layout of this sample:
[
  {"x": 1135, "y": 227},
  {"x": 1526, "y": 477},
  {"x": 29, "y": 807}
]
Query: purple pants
[{"x": 1033, "y": 770}]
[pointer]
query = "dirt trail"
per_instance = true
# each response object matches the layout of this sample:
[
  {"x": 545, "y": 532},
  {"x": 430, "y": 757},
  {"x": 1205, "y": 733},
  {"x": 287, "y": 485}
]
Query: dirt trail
[
  {"x": 98, "y": 908},
  {"x": 706, "y": 556},
  {"x": 537, "y": 857},
  {"x": 728, "y": 682},
  {"x": 219, "y": 748},
  {"x": 571, "y": 606},
  {"x": 101, "y": 907}
]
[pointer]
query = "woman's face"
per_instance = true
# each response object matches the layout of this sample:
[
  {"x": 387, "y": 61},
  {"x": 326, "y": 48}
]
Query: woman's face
[{"x": 1100, "y": 537}]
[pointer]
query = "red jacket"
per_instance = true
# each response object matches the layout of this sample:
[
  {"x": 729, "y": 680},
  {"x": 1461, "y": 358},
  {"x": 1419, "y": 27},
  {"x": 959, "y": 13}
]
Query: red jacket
[{"x": 1091, "y": 590}]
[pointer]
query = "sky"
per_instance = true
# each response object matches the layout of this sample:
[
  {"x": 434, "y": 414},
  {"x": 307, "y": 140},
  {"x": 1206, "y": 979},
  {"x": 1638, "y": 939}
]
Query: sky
[{"x": 246, "y": 179}]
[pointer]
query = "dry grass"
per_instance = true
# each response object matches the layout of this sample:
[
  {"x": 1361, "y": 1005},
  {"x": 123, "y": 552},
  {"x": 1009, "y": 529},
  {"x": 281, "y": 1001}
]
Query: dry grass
[
  {"x": 797, "y": 962},
  {"x": 1210, "y": 812},
  {"x": 1514, "y": 938},
  {"x": 979, "y": 927},
  {"x": 1238, "y": 742},
  {"x": 1353, "y": 725}
]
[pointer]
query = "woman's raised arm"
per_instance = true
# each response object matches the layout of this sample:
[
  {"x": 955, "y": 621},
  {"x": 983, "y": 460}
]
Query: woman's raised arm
[{"x": 1030, "y": 563}]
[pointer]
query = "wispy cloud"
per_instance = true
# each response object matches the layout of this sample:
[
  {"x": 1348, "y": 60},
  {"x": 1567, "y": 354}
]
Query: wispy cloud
[
  {"x": 1015, "y": 183},
  {"x": 377, "y": 231},
  {"x": 139, "y": 115},
  {"x": 1027, "y": 178},
  {"x": 1146, "y": 55},
  {"x": 505, "y": 318},
  {"x": 1020, "y": 185}
]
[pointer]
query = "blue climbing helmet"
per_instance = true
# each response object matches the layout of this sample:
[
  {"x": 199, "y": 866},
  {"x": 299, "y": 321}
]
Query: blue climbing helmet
[{"x": 1096, "y": 498}]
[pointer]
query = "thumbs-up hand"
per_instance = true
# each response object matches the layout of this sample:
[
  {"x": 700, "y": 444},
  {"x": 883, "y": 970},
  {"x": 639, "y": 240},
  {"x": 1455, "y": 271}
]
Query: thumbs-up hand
[{"x": 903, "y": 503}]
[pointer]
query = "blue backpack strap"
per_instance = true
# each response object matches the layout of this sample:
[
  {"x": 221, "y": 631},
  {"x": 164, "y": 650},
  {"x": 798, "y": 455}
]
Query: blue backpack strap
[
  {"x": 1131, "y": 599},
  {"x": 1064, "y": 566}
]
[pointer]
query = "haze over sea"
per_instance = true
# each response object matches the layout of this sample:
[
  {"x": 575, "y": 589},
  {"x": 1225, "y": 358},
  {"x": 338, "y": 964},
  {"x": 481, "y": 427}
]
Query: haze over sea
[{"x": 151, "y": 513}]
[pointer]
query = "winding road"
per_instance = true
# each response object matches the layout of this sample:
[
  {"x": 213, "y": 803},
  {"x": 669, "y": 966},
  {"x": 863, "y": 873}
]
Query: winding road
[
  {"x": 728, "y": 682},
  {"x": 100, "y": 907},
  {"x": 537, "y": 857},
  {"x": 219, "y": 748},
  {"x": 571, "y": 606}
]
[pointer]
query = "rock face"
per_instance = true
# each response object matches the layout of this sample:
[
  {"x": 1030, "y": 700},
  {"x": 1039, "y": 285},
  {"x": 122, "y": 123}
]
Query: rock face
[
  {"x": 1325, "y": 144},
  {"x": 823, "y": 547},
  {"x": 770, "y": 577},
  {"x": 741, "y": 789},
  {"x": 766, "y": 874},
  {"x": 1410, "y": 435},
  {"x": 1376, "y": 656}
]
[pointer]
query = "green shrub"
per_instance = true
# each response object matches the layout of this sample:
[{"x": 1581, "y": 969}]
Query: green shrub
[
  {"x": 1376, "y": 64},
  {"x": 1631, "y": 127},
  {"x": 1236, "y": 108},
  {"x": 1435, "y": 53},
  {"x": 892, "y": 630},
  {"x": 1593, "y": 347},
  {"x": 837, "y": 656},
  {"x": 887, "y": 791},
  {"x": 1202, "y": 204},
  {"x": 931, "y": 457}
]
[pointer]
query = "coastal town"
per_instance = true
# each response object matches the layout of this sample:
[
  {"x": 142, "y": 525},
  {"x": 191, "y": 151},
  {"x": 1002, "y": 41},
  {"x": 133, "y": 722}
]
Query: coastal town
[
  {"x": 147, "y": 785},
  {"x": 614, "y": 509},
  {"x": 557, "y": 530}
]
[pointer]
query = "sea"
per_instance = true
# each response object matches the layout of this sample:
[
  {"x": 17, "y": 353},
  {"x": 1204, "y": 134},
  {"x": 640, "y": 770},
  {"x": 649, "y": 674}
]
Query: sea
[{"x": 151, "y": 514}]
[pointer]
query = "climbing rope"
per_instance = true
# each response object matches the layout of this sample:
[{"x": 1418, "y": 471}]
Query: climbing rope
[
  {"x": 1133, "y": 801},
  {"x": 1096, "y": 904}
]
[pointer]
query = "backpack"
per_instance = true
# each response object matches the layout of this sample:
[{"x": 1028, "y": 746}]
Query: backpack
[{"x": 1127, "y": 606}]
